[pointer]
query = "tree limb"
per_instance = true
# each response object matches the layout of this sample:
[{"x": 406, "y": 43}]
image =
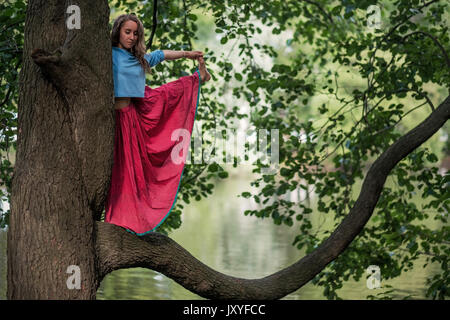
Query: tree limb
[
  {"x": 117, "y": 249},
  {"x": 155, "y": 24}
]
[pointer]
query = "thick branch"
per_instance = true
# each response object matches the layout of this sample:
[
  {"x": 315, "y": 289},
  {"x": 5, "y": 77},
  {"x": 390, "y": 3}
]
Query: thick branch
[{"x": 118, "y": 249}]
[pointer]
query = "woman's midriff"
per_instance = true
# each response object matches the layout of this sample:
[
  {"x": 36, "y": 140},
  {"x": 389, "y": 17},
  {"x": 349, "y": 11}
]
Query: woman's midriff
[{"x": 121, "y": 103}]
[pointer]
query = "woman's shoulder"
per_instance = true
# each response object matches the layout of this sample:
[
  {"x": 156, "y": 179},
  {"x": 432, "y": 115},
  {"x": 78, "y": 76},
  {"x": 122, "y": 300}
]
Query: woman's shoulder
[
  {"x": 123, "y": 57},
  {"x": 121, "y": 52}
]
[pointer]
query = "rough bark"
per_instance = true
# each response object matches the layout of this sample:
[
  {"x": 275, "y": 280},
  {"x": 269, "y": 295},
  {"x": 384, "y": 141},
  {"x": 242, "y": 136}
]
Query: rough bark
[
  {"x": 118, "y": 249},
  {"x": 64, "y": 151}
]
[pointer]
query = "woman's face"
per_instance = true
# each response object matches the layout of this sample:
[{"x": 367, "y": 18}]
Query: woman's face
[{"x": 128, "y": 35}]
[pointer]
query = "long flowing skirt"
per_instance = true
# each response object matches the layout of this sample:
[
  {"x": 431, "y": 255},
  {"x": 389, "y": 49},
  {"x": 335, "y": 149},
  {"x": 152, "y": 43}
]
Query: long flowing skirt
[{"x": 152, "y": 139}]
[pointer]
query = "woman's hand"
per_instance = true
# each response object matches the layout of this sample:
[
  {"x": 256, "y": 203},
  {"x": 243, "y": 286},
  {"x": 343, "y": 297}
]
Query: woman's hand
[{"x": 193, "y": 54}]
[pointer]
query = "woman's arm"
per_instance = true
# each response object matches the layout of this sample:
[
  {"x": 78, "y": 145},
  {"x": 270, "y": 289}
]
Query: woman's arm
[{"x": 174, "y": 55}]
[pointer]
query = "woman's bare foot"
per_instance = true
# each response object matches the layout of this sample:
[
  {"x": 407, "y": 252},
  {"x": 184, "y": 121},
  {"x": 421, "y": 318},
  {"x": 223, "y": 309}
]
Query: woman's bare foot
[{"x": 204, "y": 74}]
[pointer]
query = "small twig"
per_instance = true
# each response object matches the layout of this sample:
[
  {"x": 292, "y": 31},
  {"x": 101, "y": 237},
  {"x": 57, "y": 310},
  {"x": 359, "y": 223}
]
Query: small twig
[
  {"x": 155, "y": 23},
  {"x": 7, "y": 96},
  {"x": 325, "y": 13},
  {"x": 401, "y": 118},
  {"x": 424, "y": 95},
  {"x": 11, "y": 87},
  {"x": 419, "y": 252},
  {"x": 186, "y": 26}
]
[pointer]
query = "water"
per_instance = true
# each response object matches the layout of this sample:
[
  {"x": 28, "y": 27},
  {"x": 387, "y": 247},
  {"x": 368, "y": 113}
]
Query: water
[{"x": 216, "y": 232}]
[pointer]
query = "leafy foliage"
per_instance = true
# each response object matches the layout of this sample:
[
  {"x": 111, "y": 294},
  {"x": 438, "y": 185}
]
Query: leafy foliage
[{"x": 12, "y": 18}]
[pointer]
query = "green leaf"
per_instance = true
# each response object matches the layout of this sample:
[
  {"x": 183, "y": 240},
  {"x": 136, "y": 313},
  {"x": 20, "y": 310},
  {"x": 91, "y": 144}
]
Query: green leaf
[
  {"x": 223, "y": 174},
  {"x": 213, "y": 167},
  {"x": 432, "y": 157}
]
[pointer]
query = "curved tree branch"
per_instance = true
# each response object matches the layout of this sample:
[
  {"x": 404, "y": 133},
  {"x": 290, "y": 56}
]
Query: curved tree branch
[
  {"x": 444, "y": 53},
  {"x": 118, "y": 249}
]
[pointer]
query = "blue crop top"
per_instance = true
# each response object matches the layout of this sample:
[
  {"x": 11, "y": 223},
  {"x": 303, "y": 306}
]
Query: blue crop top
[{"x": 128, "y": 74}]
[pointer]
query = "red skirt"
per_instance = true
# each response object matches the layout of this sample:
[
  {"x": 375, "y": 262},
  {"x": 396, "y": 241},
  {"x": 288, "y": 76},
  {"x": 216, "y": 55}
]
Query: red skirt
[{"x": 152, "y": 138}]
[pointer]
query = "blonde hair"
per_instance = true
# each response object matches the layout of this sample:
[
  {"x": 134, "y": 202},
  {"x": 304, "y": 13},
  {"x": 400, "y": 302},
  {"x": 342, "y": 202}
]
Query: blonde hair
[{"x": 138, "y": 50}]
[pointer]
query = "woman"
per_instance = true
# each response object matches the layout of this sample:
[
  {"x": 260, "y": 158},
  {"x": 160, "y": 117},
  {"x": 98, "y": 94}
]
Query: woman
[{"x": 150, "y": 125}]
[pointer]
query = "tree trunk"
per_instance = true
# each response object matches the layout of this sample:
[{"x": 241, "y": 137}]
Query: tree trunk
[{"x": 64, "y": 151}]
